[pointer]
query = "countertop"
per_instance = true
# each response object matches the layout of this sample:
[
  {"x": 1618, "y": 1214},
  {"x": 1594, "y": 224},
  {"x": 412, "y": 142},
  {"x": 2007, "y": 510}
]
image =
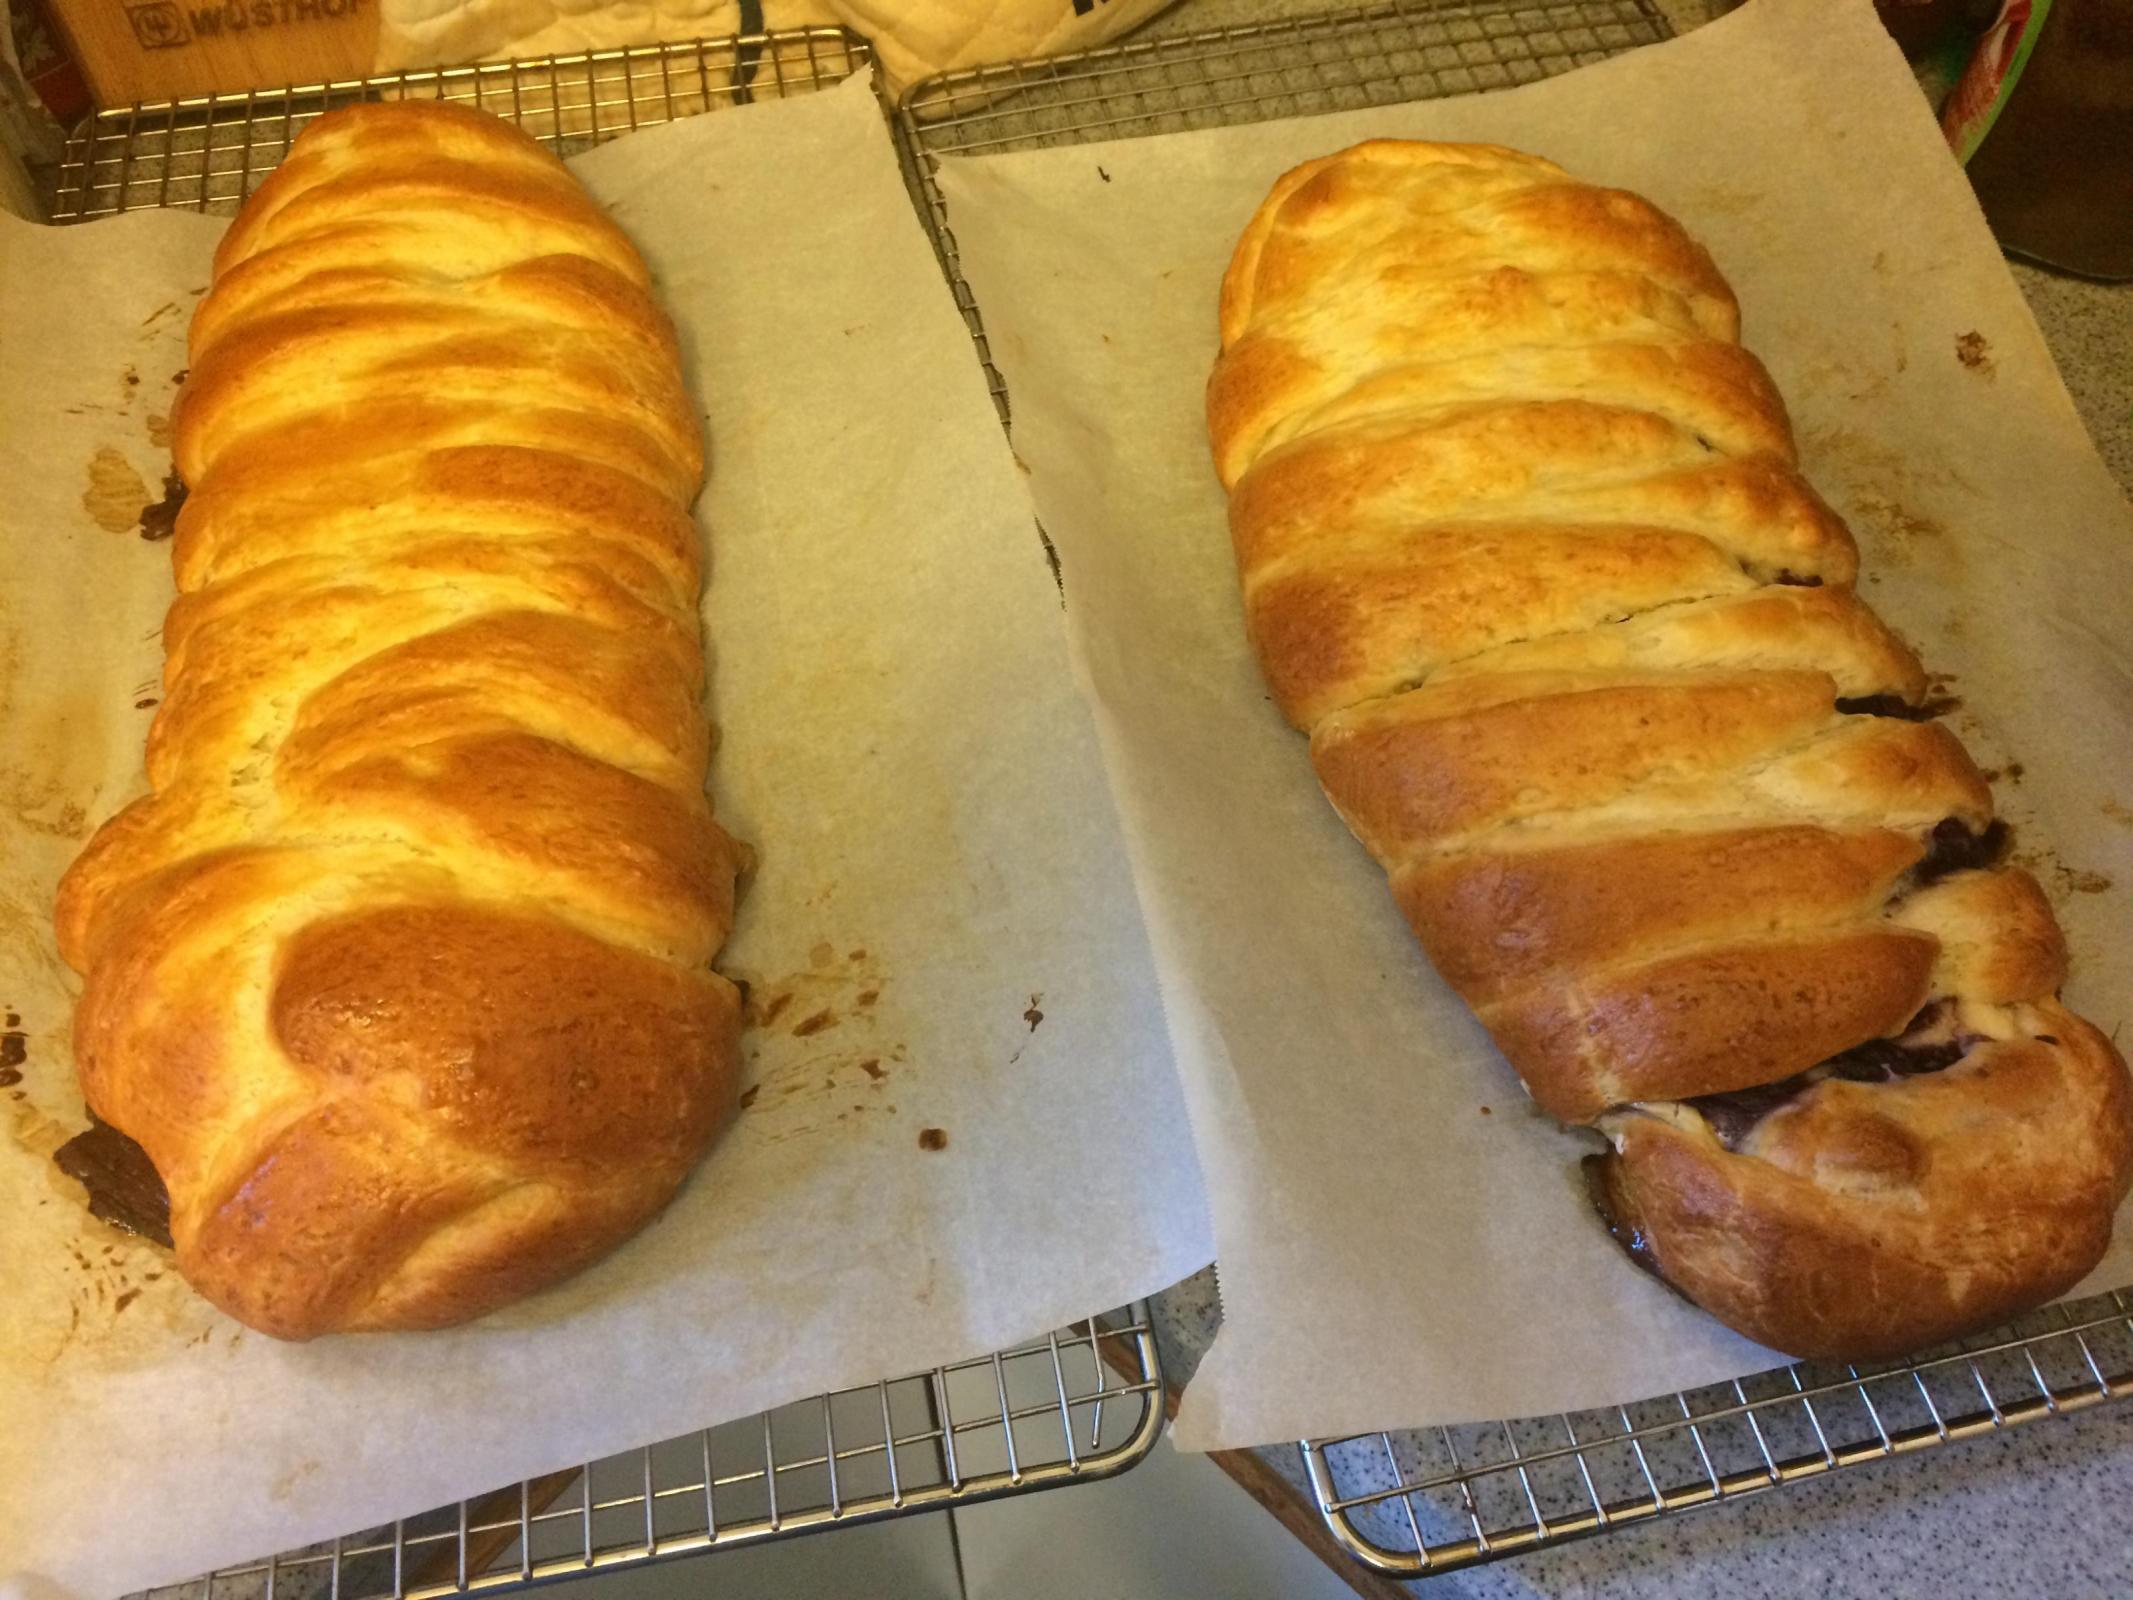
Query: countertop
[{"x": 2046, "y": 1509}]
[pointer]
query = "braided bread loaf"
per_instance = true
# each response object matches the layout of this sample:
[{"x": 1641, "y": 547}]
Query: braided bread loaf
[
  {"x": 401, "y": 974},
  {"x": 1525, "y": 550}
]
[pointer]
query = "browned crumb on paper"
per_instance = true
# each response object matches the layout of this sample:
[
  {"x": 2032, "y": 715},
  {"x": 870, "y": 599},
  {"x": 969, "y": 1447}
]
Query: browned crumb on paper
[
  {"x": 1975, "y": 352},
  {"x": 933, "y": 1138}
]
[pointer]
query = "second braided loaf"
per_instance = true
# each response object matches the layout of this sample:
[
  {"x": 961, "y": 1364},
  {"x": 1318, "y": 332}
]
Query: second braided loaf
[{"x": 1524, "y": 548}]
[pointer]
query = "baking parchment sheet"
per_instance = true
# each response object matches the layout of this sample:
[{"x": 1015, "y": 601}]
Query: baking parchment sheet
[
  {"x": 942, "y": 932},
  {"x": 1400, "y": 1240}
]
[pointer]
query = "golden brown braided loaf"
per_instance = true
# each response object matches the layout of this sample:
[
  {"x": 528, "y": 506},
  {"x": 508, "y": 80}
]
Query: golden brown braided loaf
[
  {"x": 1525, "y": 549},
  {"x": 401, "y": 975}
]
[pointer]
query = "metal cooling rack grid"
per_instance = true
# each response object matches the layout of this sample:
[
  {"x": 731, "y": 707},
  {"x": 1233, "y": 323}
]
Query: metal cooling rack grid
[
  {"x": 1416, "y": 1503},
  {"x": 1382, "y": 55},
  {"x": 208, "y": 152},
  {"x": 1083, "y": 1403},
  {"x": 951, "y": 1436},
  {"x": 1430, "y": 1501}
]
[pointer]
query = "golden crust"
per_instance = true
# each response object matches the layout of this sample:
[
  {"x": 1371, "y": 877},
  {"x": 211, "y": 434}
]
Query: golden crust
[
  {"x": 1499, "y": 922},
  {"x": 1866, "y": 1220},
  {"x": 1780, "y": 628},
  {"x": 1566, "y": 752},
  {"x": 1533, "y": 460},
  {"x": 1377, "y": 618},
  {"x": 1523, "y": 547},
  {"x": 1998, "y": 939},
  {"x": 400, "y": 976},
  {"x": 1705, "y": 1021}
]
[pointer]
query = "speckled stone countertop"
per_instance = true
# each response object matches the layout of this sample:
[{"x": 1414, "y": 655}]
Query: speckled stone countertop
[{"x": 2044, "y": 1510}]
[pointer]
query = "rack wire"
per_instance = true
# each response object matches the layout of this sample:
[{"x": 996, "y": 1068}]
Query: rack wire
[
  {"x": 1416, "y": 1503},
  {"x": 208, "y": 152},
  {"x": 1342, "y": 61},
  {"x": 1082, "y": 1403}
]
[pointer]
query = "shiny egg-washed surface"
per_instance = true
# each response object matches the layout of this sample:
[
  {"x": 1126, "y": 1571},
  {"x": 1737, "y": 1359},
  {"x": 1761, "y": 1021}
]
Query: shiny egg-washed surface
[
  {"x": 401, "y": 974},
  {"x": 1525, "y": 550}
]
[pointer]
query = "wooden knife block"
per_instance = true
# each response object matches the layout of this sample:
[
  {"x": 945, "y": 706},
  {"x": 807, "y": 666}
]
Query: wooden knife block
[{"x": 136, "y": 50}]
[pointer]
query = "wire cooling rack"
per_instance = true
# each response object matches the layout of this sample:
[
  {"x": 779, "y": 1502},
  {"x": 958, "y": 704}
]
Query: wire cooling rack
[
  {"x": 1416, "y": 1503},
  {"x": 1425, "y": 1502},
  {"x": 208, "y": 152},
  {"x": 1407, "y": 50},
  {"x": 1083, "y": 1403}
]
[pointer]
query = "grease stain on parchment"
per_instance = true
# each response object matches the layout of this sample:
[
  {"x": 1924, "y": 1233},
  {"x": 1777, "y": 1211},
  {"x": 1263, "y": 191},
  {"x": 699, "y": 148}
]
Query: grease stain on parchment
[
  {"x": 2060, "y": 881},
  {"x": 1883, "y": 490},
  {"x": 115, "y": 495},
  {"x": 818, "y": 1051},
  {"x": 50, "y": 776},
  {"x": 124, "y": 1304}
]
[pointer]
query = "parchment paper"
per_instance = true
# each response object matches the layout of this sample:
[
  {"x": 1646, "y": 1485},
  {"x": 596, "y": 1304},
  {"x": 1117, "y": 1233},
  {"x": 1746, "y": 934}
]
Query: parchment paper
[
  {"x": 903, "y": 743},
  {"x": 1400, "y": 1240}
]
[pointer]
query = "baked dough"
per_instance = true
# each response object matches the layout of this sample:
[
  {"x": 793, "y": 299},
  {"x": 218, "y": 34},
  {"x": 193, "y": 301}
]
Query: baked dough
[
  {"x": 1524, "y": 548},
  {"x": 401, "y": 975}
]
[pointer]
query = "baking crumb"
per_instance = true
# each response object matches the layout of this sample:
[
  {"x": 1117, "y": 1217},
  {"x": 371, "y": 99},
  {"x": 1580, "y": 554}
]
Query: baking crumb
[
  {"x": 778, "y": 1002},
  {"x": 872, "y": 1068},
  {"x": 1972, "y": 350},
  {"x": 933, "y": 1138},
  {"x": 824, "y": 1018},
  {"x": 1103, "y": 174},
  {"x": 1033, "y": 1016},
  {"x": 867, "y": 997},
  {"x": 748, "y": 1095},
  {"x": 1485, "y": 1111},
  {"x": 859, "y": 954}
]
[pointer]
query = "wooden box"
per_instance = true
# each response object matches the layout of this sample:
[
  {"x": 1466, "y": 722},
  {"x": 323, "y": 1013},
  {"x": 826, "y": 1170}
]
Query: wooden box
[{"x": 135, "y": 50}]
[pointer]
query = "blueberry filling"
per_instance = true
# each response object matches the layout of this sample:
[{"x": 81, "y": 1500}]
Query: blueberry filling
[
  {"x": 1894, "y": 705},
  {"x": 1933, "y": 1042},
  {"x": 1954, "y": 848},
  {"x": 124, "y": 1187},
  {"x": 1735, "y": 1115}
]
